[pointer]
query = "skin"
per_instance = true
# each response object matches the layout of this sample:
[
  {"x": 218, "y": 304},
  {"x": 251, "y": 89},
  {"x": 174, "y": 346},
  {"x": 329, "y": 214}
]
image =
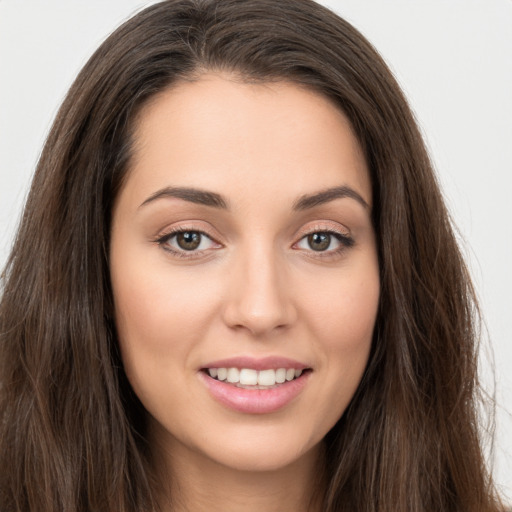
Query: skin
[{"x": 254, "y": 287}]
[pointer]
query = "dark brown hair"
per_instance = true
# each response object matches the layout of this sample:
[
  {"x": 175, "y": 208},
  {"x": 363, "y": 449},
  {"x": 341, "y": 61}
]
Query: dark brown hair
[{"x": 72, "y": 432}]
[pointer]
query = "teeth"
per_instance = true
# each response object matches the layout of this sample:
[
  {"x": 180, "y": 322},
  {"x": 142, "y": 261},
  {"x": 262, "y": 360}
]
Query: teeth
[
  {"x": 280, "y": 375},
  {"x": 249, "y": 377},
  {"x": 233, "y": 375},
  {"x": 267, "y": 378}
]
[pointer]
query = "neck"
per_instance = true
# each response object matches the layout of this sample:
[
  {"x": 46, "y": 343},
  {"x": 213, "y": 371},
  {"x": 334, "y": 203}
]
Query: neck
[{"x": 192, "y": 483}]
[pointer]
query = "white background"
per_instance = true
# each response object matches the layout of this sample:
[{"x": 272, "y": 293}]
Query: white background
[{"x": 452, "y": 57}]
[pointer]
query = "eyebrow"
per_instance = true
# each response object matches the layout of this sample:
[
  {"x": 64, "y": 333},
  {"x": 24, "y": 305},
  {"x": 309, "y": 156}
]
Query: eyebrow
[
  {"x": 192, "y": 195},
  {"x": 206, "y": 198},
  {"x": 309, "y": 201}
]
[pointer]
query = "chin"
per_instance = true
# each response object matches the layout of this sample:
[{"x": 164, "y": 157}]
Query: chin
[{"x": 249, "y": 450}]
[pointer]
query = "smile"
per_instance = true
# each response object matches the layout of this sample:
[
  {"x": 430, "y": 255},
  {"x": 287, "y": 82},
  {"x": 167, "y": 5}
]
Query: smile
[
  {"x": 249, "y": 378},
  {"x": 251, "y": 391}
]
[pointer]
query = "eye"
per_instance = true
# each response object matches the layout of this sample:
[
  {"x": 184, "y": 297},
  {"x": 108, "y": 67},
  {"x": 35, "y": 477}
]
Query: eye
[
  {"x": 183, "y": 241},
  {"x": 324, "y": 241}
]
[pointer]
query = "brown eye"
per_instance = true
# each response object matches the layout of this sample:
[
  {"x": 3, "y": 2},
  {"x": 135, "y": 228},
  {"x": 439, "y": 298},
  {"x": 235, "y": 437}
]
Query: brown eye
[
  {"x": 325, "y": 242},
  {"x": 187, "y": 243},
  {"x": 319, "y": 241},
  {"x": 188, "y": 240}
]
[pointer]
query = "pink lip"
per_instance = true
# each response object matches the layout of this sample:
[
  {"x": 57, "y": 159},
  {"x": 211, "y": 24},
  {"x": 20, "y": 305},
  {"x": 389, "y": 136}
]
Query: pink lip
[
  {"x": 253, "y": 401},
  {"x": 263, "y": 363}
]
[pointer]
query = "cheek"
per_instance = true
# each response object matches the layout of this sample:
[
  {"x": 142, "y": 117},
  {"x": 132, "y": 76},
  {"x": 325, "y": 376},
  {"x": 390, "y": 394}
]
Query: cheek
[
  {"x": 345, "y": 309},
  {"x": 159, "y": 323},
  {"x": 162, "y": 317},
  {"x": 343, "y": 317},
  {"x": 155, "y": 305}
]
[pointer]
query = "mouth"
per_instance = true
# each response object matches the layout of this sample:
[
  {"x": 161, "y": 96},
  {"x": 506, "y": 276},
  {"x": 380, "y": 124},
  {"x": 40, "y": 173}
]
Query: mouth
[
  {"x": 252, "y": 385},
  {"x": 249, "y": 378}
]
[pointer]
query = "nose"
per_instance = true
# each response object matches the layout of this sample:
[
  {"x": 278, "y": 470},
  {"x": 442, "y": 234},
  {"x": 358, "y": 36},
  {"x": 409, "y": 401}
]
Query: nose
[{"x": 260, "y": 295}]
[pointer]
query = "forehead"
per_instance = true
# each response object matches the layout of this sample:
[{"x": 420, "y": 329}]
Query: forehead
[{"x": 217, "y": 133}]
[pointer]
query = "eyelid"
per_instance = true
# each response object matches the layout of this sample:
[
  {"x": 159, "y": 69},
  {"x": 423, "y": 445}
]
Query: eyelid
[
  {"x": 198, "y": 226},
  {"x": 334, "y": 229},
  {"x": 165, "y": 235},
  {"x": 323, "y": 227}
]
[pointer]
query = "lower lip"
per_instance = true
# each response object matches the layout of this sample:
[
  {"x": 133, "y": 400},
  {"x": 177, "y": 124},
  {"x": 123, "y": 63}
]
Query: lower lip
[{"x": 254, "y": 401}]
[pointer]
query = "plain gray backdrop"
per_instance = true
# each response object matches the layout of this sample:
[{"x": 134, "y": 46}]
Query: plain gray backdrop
[{"x": 452, "y": 57}]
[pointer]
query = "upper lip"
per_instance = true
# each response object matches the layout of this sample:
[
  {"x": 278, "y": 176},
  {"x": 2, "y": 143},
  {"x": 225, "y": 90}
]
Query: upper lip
[{"x": 254, "y": 363}]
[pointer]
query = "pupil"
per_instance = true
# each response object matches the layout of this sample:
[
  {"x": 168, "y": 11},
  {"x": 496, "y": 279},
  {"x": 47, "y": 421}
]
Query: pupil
[
  {"x": 319, "y": 241},
  {"x": 188, "y": 240}
]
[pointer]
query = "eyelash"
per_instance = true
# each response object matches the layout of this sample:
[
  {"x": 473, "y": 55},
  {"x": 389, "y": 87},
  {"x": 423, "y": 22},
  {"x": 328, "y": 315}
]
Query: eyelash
[
  {"x": 162, "y": 240},
  {"x": 346, "y": 242}
]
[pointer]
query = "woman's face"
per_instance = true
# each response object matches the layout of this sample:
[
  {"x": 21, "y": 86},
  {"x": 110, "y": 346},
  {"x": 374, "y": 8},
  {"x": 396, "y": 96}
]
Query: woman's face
[{"x": 242, "y": 255}]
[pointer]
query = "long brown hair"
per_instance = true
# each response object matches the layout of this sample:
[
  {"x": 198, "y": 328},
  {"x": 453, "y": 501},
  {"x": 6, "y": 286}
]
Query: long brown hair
[{"x": 72, "y": 434}]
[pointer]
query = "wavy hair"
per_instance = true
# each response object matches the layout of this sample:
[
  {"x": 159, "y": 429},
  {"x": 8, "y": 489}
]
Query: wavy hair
[{"x": 72, "y": 433}]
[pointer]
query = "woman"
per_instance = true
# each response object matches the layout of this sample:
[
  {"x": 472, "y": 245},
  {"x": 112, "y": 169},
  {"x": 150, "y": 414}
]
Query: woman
[{"x": 236, "y": 285}]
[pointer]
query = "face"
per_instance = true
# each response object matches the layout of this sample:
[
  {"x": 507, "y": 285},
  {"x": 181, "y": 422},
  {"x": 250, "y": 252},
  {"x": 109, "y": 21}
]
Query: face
[{"x": 244, "y": 270}]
